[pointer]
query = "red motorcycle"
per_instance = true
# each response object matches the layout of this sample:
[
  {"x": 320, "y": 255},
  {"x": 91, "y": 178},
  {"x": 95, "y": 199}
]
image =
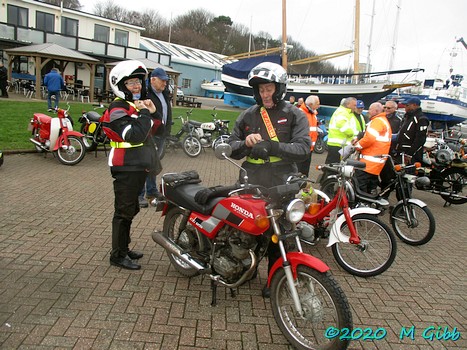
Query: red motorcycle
[
  {"x": 226, "y": 236},
  {"x": 56, "y": 135}
]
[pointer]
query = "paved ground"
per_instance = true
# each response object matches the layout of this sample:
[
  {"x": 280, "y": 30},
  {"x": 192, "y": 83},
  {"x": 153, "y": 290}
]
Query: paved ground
[{"x": 58, "y": 291}]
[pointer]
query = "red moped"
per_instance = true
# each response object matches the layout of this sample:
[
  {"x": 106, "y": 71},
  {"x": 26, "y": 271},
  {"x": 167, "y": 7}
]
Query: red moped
[{"x": 56, "y": 135}]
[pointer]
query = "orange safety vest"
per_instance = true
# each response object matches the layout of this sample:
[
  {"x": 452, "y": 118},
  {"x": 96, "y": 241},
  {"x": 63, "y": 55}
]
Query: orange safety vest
[
  {"x": 375, "y": 142},
  {"x": 313, "y": 124}
]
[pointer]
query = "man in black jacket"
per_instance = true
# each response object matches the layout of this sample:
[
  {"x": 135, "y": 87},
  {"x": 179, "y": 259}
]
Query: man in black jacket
[
  {"x": 412, "y": 135},
  {"x": 159, "y": 95}
]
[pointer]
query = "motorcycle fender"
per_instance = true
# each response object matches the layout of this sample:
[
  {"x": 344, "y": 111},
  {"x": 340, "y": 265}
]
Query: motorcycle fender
[
  {"x": 415, "y": 201},
  {"x": 295, "y": 259},
  {"x": 336, "y": 235},
  {"x": 61, "y": 137}
]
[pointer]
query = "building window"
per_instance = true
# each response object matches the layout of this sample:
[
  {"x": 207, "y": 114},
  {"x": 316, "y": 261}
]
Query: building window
[
  {"x": 45, "y": 21},
  {"x": 17, "y": 16},
  {"x": 121, "y": 37},
  {"x": 186, "y": 83},
  {"x": 101, "y": 33},
  {"x": 69, "y": 26}
]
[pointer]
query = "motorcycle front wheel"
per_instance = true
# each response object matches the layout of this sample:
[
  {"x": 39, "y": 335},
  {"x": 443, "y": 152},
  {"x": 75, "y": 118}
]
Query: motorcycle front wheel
[
  {"x": 324, "y": 306},
  {"x": 455, "y": 182},
  {"x": 413, "y": 224},
  {"x": 73, "y": 153},
  {"x": 219, "y": 140},
  {"x": 376, "y": 251},
  {"x": 88, "y": 138},
  {"x": 175, "y": 228},
  {"x": 320, "y": 146},
  {"x": 192, "y": 146}
]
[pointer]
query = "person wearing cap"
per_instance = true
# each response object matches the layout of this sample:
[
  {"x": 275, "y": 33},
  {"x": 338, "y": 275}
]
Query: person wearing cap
[
  {"x": 158, "y": 93},
  {"x": 362, "y": 119},
  {"x": 412, "y": 134}
]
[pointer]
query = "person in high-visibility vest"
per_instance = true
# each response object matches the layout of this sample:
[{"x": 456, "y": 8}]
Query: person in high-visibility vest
[
  {"x": 127, "y": 123},
  {"x": 342, "y": 129},
  {"x": 310, "y": 108},
  {"x": 272, "y": 135},
  {"x": 374, "y": 147}
]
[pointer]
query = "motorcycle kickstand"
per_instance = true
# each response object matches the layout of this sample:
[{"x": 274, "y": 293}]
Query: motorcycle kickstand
[{"x": 214, "y": 293}]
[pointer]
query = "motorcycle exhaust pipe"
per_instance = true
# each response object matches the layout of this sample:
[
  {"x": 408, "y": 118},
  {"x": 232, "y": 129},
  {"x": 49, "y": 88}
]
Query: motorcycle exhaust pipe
[
  {"x": 454, "y": 195},
  {"x": 172, "y": 248},
  {"x": 246, "y": 276},
  {"x": 38, "y": 144}
]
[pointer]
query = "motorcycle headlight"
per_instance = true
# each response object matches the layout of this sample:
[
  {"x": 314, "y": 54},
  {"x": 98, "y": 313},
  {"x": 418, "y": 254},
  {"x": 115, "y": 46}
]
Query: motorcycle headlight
[{"x": 295, "y": 211}]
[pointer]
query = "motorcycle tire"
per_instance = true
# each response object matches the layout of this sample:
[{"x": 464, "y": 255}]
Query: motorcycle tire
[
  {"x": 219, "y": 140},
  {"x": 172, "y": 229},
  {"x": 88, "y": 138},
  {"x": 324, "y": 305},
  {"x": 328, "y": 186},
  {"x": 418, "y": 229},
  {"x": 376, "y": 251},
  {"x": 320, "y": 146},
  {"x": 192, "y": 146},
  {"x": 74, "y": 153},
  {"x": 454, "y": 180}
]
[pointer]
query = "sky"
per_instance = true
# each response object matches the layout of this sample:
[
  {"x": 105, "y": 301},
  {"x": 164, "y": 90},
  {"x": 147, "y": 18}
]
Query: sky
[{"x": 427, "y": 30}]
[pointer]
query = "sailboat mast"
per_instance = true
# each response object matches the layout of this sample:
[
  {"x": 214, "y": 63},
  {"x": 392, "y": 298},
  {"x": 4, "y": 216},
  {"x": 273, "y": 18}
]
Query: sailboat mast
[
  {"x": 284, "y": 35},
  {"x": 356, "y": 53}
]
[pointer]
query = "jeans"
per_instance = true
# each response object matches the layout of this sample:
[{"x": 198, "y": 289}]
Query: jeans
[{"x": 49, "y": 98}]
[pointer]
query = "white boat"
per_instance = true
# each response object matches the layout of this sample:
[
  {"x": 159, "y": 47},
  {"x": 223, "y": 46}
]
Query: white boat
[{"x": 213, "y": 88}]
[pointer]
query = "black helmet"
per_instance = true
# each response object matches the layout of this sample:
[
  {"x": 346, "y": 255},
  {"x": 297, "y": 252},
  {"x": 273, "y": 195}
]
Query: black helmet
[
  {"x": 422, "y": 183},
  {"x": 268, "y": 72},
  {"x": 122, "y": 72}
]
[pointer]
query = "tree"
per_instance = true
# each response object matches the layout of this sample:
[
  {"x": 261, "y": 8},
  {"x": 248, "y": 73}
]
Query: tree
[{"x": 69, "y": 4}]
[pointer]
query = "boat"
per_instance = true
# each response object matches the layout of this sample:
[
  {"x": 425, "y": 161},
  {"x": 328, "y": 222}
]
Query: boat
[
  {"x": 213, "y": 88},
  {"x": 331, "y": 89}
]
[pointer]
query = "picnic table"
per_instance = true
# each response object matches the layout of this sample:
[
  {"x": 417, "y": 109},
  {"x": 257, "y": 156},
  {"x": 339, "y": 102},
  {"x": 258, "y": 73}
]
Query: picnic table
[{"x": 188, "y": 101}]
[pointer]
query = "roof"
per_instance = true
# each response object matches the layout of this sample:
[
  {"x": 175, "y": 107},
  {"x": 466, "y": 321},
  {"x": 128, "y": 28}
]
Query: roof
[
  {"x": 52, "y": 51},
  {"x": 150, "y": 65},
  {"x": 184, "y": 54}
]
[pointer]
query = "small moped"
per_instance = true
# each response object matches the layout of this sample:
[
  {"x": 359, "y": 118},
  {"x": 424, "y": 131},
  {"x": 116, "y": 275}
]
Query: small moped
[{"x": 56, "y": 135}]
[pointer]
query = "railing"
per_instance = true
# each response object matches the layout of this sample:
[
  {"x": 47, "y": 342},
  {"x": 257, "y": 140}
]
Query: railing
[{"x": 23, "y": 35}]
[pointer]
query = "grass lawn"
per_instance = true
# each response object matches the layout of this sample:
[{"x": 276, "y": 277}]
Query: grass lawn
[{"x": 15, "y": 117}]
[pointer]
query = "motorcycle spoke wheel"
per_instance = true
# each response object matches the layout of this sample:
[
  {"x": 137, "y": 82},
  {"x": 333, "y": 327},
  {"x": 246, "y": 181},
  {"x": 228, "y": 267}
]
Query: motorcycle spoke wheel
[
  {"x": 324, "y": 305},
  {"x": 88, "y": 138},
  {"x": 73, "y": 153},
  {"x": 416, "y": 227},
  {"x": 173, "y": 229},
  {"x": 455, "y": 182},
  {"x": 376, "y": 251},
  {"x": 219, "y": 140},
  {"x": 192, "y": 146}
]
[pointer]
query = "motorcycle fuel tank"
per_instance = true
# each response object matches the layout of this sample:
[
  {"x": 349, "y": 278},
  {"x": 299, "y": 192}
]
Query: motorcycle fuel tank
[{"x": 241, "y": 212}]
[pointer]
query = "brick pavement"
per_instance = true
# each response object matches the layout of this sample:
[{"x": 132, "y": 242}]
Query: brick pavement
[{"x": 58, "y": 291}]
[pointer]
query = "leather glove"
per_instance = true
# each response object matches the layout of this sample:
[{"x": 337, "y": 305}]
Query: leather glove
[
  {"x": 203, "y": 196},
  {"x": 264, "y": 149}
]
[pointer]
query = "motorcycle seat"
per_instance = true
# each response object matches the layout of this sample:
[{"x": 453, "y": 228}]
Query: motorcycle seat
[
  {"x": 184, "y": 195},
  {"x": 93, "y": 116},
  {"x": 195, "y": 123}
]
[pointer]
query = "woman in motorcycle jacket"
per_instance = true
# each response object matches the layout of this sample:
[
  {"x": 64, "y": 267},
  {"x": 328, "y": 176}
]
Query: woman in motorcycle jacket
[
  {"x": 128, "y": 123},
  {"x": 272, "y": 135}
]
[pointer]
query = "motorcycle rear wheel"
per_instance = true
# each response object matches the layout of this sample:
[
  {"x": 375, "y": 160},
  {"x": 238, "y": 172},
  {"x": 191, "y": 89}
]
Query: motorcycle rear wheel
[
  {"x": 454, "y": 181},
  {"x": 418, "y": 228},
  {"x": 219, "y": 140},
  {"x": 192, "y": 146},
  {"x": 374, "y": 254},
  {"x": 88, "y": 138},
  {"x": 173, "y": 229},
  {"x": 74, "y": 153},
  {"x": 323, "y": 302}
]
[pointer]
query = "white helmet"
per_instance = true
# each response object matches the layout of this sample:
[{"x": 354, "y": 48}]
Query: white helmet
[
  {"x": 268, "y": 72},
  {"x": 124, "y": 71}
]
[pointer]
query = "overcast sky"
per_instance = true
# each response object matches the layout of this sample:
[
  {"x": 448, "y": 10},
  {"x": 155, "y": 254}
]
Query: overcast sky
[{"x": 427, "y": 29}]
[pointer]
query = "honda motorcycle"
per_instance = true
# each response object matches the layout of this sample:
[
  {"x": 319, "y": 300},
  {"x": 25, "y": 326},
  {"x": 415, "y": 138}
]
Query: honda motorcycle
[
  {"x": 56, "y": 135},
  {"x": 443, "y": 171},
  {"x": 226, "y": 237}
]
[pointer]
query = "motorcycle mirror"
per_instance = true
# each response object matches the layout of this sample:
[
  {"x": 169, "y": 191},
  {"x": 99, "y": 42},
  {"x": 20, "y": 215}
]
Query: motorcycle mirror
[{"x": 223, "y": 150}]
